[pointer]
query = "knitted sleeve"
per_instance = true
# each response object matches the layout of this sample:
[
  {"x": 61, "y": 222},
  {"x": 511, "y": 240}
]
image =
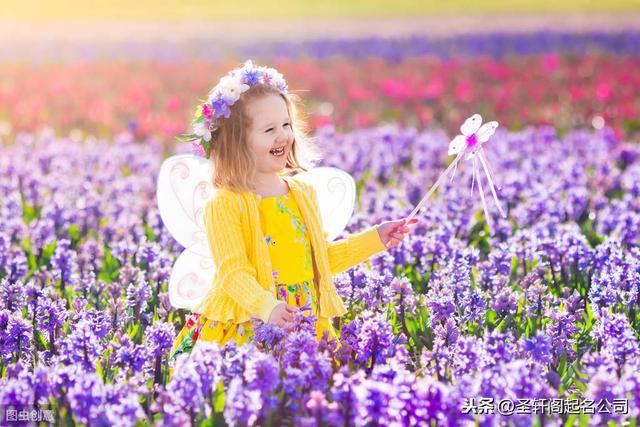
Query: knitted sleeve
[
  {"x": 352, "y": 250},
  {"x": 235, "y": 275}
]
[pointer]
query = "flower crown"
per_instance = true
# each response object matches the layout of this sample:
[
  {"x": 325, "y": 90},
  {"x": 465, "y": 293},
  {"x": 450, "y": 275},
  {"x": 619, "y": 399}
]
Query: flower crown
[{"x": 210, "y": 114}]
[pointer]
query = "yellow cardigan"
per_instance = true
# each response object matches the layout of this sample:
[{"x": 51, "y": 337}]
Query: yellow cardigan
[{"x": 243, "y": 285}]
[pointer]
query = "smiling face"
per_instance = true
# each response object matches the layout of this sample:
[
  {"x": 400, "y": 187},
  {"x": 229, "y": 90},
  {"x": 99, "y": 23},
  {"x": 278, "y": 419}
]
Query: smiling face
[{"x": 270, "y": 134}]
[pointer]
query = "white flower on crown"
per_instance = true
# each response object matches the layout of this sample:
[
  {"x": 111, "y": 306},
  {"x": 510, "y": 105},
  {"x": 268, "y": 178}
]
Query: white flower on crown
[
  {"x": 275, "y": 75},
  {"x": 248, "y": 65},
  {"x": 276, "y": 79},
  {"x": 230, "y": 88},
  {"x": 202, "y": 130}
]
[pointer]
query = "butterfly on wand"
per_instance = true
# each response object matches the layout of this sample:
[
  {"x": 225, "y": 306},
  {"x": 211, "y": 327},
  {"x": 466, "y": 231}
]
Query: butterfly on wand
[{"x": 474, "y": 135}]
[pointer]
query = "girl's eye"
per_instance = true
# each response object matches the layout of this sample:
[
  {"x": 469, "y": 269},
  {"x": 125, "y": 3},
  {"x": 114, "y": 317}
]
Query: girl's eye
[{"x": 270, "y": 129}]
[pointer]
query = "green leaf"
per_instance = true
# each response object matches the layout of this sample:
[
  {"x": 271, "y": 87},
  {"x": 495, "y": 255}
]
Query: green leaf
[
  {"x": 514, "y": 268},
  {"x": 135, "y": 333},
  {"x": 206, "y": 146},
  {"x": 504, "y": 322},
  {"x": 491, "y": 316},
  {"x": 31, "y": 262},
  {"x": 29, "y": 213},
  {"x": 530, "y": 329},
  {"x": 105, "y": 277},
  {"x": 39, "y": 338},
  {"x": 588, "y": 314},
  {"x": 99, "y": 368},
  {"x": 151, "y": 236},
  {"x": 218, "y": 403},
  {"x": 562, "y": 364},
  {"x": 578, "y": 372},
  {"x": 189, "y": 137},
  {"x": 571, "y": 421},
  {"x": 47, "y": 251},
  {"x": 74, "y": 232},
  {"x": 567, "y": 378},
  {"x": 584, "y": 420}
]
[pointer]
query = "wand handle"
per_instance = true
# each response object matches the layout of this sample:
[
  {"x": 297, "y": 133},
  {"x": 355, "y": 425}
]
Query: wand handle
[{"x": 434, "y": 186}]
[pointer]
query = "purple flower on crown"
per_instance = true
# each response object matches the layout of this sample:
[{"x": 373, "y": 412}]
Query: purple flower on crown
[
  {"x": 251, "y": 76},
  {"x": 221, "y": 107}
]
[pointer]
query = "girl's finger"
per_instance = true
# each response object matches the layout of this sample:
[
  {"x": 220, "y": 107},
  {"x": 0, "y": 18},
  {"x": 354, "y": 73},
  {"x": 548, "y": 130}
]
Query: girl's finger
[{"x": 397, "y": 224}]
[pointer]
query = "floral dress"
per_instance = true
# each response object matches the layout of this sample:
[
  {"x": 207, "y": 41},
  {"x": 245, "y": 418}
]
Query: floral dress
[{"x": 291, "y": 259}]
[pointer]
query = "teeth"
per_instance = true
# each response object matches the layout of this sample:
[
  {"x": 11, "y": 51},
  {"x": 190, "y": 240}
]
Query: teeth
[{"x": 277, "y": 151}]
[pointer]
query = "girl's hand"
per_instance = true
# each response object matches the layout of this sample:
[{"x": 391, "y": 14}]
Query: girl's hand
[
  {"x": 283, "y": 314},
  {"x": 392, "y": 232}
]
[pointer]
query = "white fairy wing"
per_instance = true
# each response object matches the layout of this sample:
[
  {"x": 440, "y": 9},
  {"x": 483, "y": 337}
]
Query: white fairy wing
[
  {"x": 456, "y": 145},
  {"x": 184, "y": 187},
  {"x": 486, "y": 131},
  {"x": 471, "y": 125},
  {"x": 336, "y": 191},
  {"x": 190, "y": 279}
]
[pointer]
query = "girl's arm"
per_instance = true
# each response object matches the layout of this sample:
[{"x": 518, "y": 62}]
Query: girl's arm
[
  {"x": 352, "y": 250},
  {"x": 234, "y": 273}
]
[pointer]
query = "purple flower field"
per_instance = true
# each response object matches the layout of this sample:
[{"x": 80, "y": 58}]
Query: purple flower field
[
  {"x": 545, "y": 308},
  {"x": 546, "y": 305}
]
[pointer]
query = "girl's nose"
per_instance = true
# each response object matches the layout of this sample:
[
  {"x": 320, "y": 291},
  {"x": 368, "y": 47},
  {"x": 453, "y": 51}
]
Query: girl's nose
[{"x": 282, "y": 136}]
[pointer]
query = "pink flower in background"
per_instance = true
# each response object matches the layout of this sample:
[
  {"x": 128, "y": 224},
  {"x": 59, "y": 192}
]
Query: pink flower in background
[
  {"x": 550, "y": 62},
  {"x": 464, "y": 91},
  {"x": 434, "y": 88},
  {"x": 364, "y": 119},
  {"x": 576, "y": 92},
  {"x": 425, "y": 114},
  {"x": 319, "y": 121},
  {"x": 157, "y": 99},
  {"x": 603, "y": 91},
  {"x": 173, "y": 105},
  {"x": 358, "y": 92},
  {"x": 395, "y": 89}
]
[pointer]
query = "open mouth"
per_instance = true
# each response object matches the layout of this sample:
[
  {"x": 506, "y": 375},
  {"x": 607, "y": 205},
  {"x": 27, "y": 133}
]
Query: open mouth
[{"x": 277, "y": 151}]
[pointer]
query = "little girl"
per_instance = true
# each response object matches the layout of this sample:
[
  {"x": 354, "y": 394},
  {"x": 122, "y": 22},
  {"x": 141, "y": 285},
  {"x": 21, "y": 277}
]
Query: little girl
[{"x": 263, "y": 225}]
